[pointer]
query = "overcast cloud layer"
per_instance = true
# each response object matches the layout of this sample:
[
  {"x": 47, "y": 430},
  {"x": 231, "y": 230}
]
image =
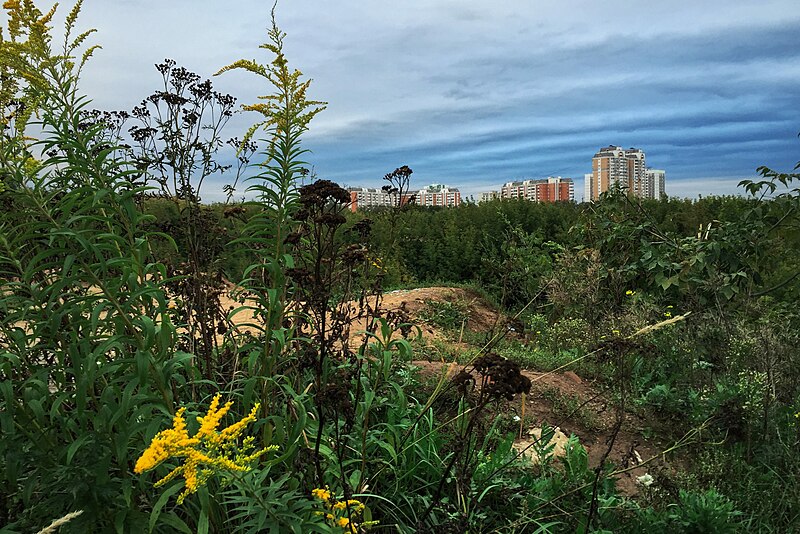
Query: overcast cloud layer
[{"x": 473, "y": 94}]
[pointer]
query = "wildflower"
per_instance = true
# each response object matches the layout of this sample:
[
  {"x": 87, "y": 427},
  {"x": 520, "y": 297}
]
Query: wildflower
[
  {"x": 207, "y": 452},
  {"x": 211, "y": 420},
  {"x": 630, "y": 292},
  {"x": 233, "y": 431},
  {"x": 667, "y": 315},
  {"x": 355, "y": 506},
  {"x": 344, "y": 514},
  {"x": 323, "y": 495},
  {"x": 165, "y": 444},
  {"x": 645, "y": 480}
]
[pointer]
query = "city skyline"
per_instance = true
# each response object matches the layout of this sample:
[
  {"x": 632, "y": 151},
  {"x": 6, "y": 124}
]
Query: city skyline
[{"x": 478, "y": 95}]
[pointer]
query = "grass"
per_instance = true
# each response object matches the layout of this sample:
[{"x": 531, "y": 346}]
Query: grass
[
  {"x": 448, "y": 315},
  {"x": 537, "y": 358},
  {"x": 434, "y": 350},
  {"x": 567, "y": 406}
]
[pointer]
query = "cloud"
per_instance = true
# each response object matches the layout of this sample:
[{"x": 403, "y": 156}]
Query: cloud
[
  {"x": 694, "y": 187},
  {"x": 473, "y": 94}
]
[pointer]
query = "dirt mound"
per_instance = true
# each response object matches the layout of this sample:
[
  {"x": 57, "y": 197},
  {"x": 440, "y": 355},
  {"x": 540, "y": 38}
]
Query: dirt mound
[{"x": 481, "y": 316}]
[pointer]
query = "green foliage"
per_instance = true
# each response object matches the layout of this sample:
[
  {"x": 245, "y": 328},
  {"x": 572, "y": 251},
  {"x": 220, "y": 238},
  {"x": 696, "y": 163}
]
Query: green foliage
[
  {"x": 450, "y": 315},
  {"x": 466, "y": 244},
  {"x": 564, "y": 334},
  {"x": 705, "y": 512},
  {"x": 287, "y": 114},
  {"x": 89, "y": 365},
  {"x": 536, "y": 358},
  {"x": 98, "y": 345}
]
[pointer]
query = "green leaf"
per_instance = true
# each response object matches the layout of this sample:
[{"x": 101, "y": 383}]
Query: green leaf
[
  {"x": 202, "y": 523},
  {"x": 162, "y": 500},
  {"x": 666, "y": 283},
  {"x": 75, "y": 445},
  {"x": 171, "y": 519}
]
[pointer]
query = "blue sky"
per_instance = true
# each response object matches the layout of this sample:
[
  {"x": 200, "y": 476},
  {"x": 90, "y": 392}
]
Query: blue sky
[{"x": 474, "y": 94}]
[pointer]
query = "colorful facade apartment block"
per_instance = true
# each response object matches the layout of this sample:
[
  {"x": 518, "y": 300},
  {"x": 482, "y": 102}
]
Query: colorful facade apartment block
[
  {"x": 614, "y": 166},
  {"x": 438, "y": 195},
  {"x": 432, "y": 195},
  {"x": 551, "y": 189}
]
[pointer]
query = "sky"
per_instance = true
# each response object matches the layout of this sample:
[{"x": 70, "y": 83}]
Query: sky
[{"x": 474, "y": 94}]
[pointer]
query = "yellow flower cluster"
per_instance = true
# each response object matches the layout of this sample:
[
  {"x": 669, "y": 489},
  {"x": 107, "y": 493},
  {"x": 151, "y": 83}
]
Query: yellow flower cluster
[
  {"x": 323, "y": 495},
  {"x": 342, "y": 514},
  {"x": 207, "y": 452}
]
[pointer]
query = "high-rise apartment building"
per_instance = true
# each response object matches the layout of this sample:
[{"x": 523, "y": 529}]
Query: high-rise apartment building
[
  {"x": 368, "y": 197},
  {"x": 488, "y": 196},
  {"x": 654, "y": 184},
  {"x": 588, "y": 187},
  {"x": 551, "y": 189},
  {"x": 438, "y": 195},
  {"x": 433, "y": 195},
  {"x": 614, "y": 166}
]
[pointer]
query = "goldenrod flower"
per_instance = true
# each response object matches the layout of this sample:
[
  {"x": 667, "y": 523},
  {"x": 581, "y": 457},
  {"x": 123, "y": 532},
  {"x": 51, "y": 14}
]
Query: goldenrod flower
[
  {"x": 210, "y": 422},
  {"x": 322, "y": 494},
  {"x": 235, "y": 429},
  {"x": 207, "y": 452},
  {"x": 165, "y": 444},
  {"x": 343, "y": 514},
  {"x": 354, "y": 505}
]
